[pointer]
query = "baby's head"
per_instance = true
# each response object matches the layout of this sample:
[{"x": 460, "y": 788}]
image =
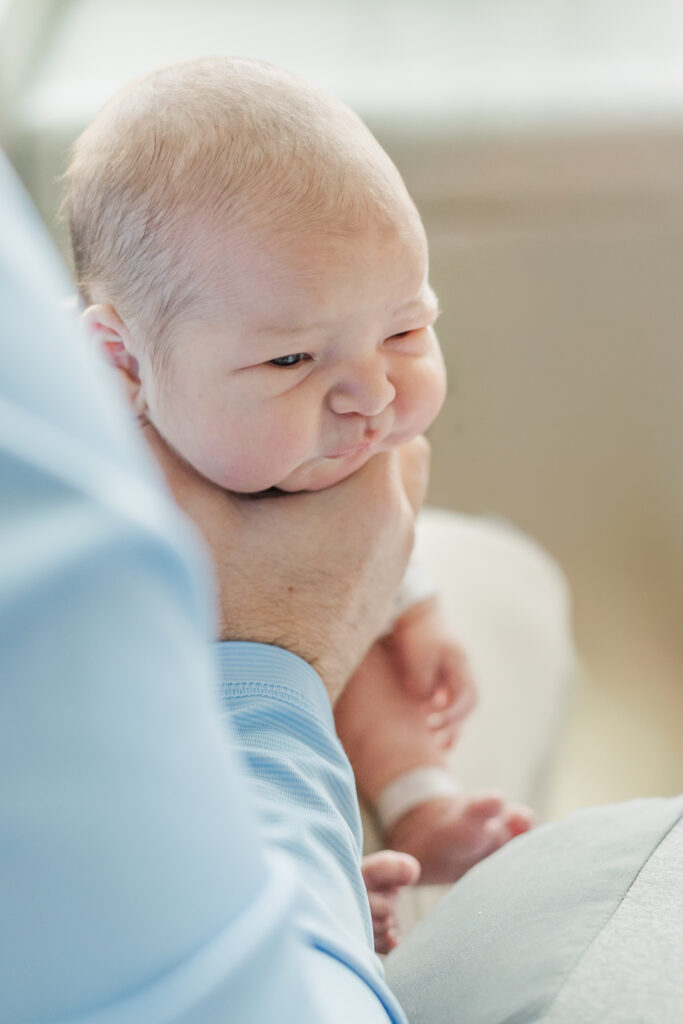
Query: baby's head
[{"x": 252, "y": 263}]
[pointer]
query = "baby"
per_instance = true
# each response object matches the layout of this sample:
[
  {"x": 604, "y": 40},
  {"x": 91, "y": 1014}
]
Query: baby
[{"x": 253, "y": 266}]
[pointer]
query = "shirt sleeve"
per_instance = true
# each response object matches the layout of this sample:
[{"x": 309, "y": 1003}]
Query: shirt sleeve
[
  {"x": 138, "y": 883},
  {"x": 297, "y": 771}
]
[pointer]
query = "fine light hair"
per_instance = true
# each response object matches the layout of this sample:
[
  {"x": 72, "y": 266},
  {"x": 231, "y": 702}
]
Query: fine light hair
[{"x": 212, "y": 144}]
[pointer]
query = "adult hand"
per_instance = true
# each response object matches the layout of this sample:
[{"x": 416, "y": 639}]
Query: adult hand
[{"x": 315, "y": 573}]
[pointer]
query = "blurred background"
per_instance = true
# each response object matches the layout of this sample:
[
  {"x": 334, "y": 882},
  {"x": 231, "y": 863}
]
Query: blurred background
[{"x": 543, "y": 143}]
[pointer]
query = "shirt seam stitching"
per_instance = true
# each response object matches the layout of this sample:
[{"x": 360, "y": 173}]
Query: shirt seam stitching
[{"x": 279, "y": 692}]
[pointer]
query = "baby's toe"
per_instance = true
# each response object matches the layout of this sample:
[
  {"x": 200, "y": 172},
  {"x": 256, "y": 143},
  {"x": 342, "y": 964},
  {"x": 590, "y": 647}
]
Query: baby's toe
[
  {"x": 384, "y": 922},
  {"x": 389, "y": 869},
  {"x": 381, "y": 908},
  {"x": 519, "y": 819},
  {"x": 484, "y": 806},
  {"x": 386, "y": 941}
]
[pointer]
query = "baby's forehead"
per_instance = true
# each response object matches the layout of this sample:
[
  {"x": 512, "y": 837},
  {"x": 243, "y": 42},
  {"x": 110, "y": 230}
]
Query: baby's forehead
[
  {"x": 324, "y": 307},
  {"x": 283, "y": 263}
]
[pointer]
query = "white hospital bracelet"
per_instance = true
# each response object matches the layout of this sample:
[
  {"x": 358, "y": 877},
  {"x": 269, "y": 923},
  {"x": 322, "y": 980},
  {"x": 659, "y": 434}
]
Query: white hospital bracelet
[{"x": 410, "y": 790}]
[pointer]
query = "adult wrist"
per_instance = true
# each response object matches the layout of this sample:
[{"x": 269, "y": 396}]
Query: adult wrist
[
  {"x": 329, "y": 655},
  {"x": 275, "y": 670}
]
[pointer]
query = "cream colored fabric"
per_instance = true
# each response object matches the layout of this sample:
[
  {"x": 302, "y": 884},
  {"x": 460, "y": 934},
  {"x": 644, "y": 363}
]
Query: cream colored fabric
[{"x": 509, "y": 606}]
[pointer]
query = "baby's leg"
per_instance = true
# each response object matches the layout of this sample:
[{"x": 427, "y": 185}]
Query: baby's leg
[{"x": 386, "y": 735}]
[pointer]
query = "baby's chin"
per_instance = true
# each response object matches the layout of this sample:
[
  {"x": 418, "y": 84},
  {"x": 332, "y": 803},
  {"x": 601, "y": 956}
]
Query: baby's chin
[
  {"x": 321, "y": 473},
  {"x": 315, "y": 475}
]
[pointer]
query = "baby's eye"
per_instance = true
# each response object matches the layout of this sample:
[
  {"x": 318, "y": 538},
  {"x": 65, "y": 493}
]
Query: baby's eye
[
  {"x": 289, "y": 360},
  {"x": 400, "y": 335}
]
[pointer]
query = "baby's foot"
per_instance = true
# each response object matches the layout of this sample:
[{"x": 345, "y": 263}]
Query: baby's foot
[
  {"x": 384, "y": 874},
  {"x": 450, "y": 834}
]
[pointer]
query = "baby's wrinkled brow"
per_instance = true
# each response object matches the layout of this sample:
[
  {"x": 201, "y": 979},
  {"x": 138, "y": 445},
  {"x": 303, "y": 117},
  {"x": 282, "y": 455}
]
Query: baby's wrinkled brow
[{"x": 288, "y": 329}]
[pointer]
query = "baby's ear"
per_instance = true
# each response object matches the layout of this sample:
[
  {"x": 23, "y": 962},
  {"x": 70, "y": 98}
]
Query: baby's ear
[{"x": 104, "y": 327}]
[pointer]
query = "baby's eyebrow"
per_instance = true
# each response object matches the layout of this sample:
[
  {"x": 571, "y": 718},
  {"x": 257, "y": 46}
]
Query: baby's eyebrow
[
  {"x": 428, "y": 303},
  {"x": 287, "y": 329}
]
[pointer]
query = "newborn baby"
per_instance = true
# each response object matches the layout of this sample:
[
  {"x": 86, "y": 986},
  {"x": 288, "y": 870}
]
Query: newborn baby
[{"x": 252, "y": 264}]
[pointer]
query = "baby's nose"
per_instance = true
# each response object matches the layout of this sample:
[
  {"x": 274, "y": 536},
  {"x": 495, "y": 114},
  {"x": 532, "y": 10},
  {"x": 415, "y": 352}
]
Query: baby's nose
[{"x": 365, "y": 392}]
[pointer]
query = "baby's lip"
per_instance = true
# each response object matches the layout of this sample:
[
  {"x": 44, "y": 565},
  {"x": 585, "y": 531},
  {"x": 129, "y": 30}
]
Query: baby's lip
[
  {"x": 374, "y": 436},
  {"x": 354, "y": 450}
]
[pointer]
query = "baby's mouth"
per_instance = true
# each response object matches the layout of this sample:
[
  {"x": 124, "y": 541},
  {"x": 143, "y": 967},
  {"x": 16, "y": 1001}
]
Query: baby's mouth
[
  {"x": 345, "y": 452},
  {"x": 374, "y": 437}
]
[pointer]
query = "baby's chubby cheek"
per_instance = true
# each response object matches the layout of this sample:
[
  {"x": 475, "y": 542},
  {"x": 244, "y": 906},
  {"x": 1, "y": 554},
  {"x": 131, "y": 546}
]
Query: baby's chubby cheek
[
  {"x": 418, "y": 403},
  {"x": 435, "y": 390},
  {"x": 243, "y": 468},
  {"x": 248, "y": 456},
  {"x": 232, "y": 453}
]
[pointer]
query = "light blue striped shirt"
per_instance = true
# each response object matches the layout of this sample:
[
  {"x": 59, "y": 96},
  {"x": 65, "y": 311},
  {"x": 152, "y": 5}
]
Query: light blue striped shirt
[{"x": 159, "y": 861}]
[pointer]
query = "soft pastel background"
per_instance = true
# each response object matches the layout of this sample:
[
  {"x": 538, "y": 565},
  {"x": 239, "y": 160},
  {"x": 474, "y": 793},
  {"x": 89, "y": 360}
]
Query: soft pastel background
[{"x": 543, "y": 142}]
